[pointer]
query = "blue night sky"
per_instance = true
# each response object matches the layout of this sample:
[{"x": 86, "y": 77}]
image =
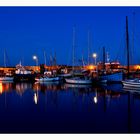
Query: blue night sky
[{"x": 25, "y": 31}]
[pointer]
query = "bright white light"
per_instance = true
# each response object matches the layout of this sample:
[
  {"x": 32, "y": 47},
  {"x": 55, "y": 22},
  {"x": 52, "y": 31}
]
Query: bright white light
[
  {"x": 35, "y": 57},
  {"x": 94, "y": 55},
  {"x": 95, "y": 100},
  {"x": 35, "y": 98}
]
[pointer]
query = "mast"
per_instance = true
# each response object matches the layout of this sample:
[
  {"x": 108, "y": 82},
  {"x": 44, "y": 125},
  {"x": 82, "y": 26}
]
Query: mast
[
  {"x": 127, "y": 45},
  {"x": 133, "y": 36},
  {"x": 54, "y": 59},
  {"x": 4, "y": 59},
  {"x": 88, "y": 46},
  {"x": 73, "y": 49},
  {"x": 45, "y": 57},
  {"x": 104, "y": 58}
]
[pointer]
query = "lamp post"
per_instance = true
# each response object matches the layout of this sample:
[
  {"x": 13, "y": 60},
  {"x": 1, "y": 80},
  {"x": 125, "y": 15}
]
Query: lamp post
[
  {"x": 94, "y": 56},
  {"x": 36, "y": 59}
]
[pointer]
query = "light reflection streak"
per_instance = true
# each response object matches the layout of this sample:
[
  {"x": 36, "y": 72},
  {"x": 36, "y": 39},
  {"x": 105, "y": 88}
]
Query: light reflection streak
[
  {"x": 35, "y": 98},
  {"x": 1, "y": 88}
]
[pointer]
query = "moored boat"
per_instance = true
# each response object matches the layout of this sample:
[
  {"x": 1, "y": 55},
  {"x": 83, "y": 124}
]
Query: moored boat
[
  {"x": 78, "y": 80},
  {"x": 23, "y": 75},
  {"x": 47, "y": 79},
  {"x": 134, "y": 83},
  {"x": 113, "y": 77},
  {"x": 6, "y": 78}
]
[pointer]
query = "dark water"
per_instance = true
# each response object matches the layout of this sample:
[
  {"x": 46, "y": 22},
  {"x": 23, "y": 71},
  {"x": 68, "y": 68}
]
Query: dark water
[{"x": 64, "y": 108}]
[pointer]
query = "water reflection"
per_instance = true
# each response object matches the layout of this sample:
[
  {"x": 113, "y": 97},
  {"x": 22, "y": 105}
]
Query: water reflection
[
  {"x": 113, "y": 108},
  {"x": 96, "y": 97},
  {"x": 5, "y": 87},
  {"x": 36, "y": 98},
  {"x": 21, "y": 88}
]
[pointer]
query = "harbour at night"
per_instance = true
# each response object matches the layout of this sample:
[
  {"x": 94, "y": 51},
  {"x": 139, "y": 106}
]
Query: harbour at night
[{"x": 69, "y": 69}]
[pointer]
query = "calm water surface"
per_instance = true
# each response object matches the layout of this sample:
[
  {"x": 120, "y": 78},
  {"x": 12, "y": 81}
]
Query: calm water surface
[{"x": 66, "y": 108}]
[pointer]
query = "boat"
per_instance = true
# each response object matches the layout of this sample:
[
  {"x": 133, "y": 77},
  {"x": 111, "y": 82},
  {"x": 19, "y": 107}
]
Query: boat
[
  {"x": 23, "y": 75},
  {"x": 6, "y": 78},
  {"x": 134, "y": 83},
  {"x": 113, "y": 77},
  {"x": 110, "y": 77},
  {"x": 47, "y": 79},
  {"x": 129, "y": 83},
  {"x": 8, "y": 75},
  {"x": 78, "y": 80}
]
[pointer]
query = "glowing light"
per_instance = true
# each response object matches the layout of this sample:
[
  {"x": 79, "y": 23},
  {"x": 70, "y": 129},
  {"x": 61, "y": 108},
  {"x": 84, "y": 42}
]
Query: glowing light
[
  {"x": 94, "y": 55},
  {"x": 35, "y": 98},
  {"x": 138, "y": 67},
  {"x": 91, "y": 67},
  {"x": 1, "y": 88},
  {"x": 95, "y": 100},
  {"x": 34, "y": 57}
]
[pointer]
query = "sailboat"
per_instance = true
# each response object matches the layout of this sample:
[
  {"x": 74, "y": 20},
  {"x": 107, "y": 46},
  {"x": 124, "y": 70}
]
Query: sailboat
[
  {"x": 129, "y": 83},
  {"x": 7, "y": 76},
  {"x": 81, "y": 79}
]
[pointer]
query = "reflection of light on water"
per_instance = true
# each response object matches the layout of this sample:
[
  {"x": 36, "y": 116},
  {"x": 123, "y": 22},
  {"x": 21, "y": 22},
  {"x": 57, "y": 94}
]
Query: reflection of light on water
[
  {"x": 1, "y": 88},
  {"x": 35, "y": 98},
  {"x": 95, "y": 100}
]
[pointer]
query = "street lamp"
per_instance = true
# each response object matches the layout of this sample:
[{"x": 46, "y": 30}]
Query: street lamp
[
  {"x": 36, "y": 59},
  {"x": 94, "y": 56}
]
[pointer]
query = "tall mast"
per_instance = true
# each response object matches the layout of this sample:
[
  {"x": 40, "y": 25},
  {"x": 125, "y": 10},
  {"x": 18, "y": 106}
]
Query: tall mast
[
  {"x": 45, "y": 57},
  {"x": 133, "y": 36},
  {"x": 127, "y": 44},
  {"x": 103, "y": 58},
  {"x": 73, "y": 49},
  {"x": 88, "y": 46},
  {"x": 4, "y": 59}
]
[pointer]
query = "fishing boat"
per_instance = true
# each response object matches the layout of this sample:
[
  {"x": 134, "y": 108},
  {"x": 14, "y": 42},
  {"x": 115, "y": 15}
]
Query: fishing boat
[
  {"x": 64, "y": 74},
  {"x": 23, "y": 75},
  {"x": 113, "y": 77},
  {"x": 116, "y": 76}
]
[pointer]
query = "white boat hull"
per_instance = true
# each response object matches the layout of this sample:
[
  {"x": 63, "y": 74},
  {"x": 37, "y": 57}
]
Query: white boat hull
[
  {"x": 78, "y": 81},
  {"x": 47, "y": 79},
  {"x": 131, "y": 83},
  {"x": 6, "y": 78}
]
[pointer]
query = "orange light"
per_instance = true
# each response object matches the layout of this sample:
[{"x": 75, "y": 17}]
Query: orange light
[
  {"x": 91, "y": 67},
  {"x": 138, "y": 67},
  {"x": 1, "y": 88}
]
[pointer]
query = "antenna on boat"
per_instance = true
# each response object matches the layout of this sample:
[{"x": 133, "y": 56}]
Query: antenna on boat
[{"x": 127, "y": 45}]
